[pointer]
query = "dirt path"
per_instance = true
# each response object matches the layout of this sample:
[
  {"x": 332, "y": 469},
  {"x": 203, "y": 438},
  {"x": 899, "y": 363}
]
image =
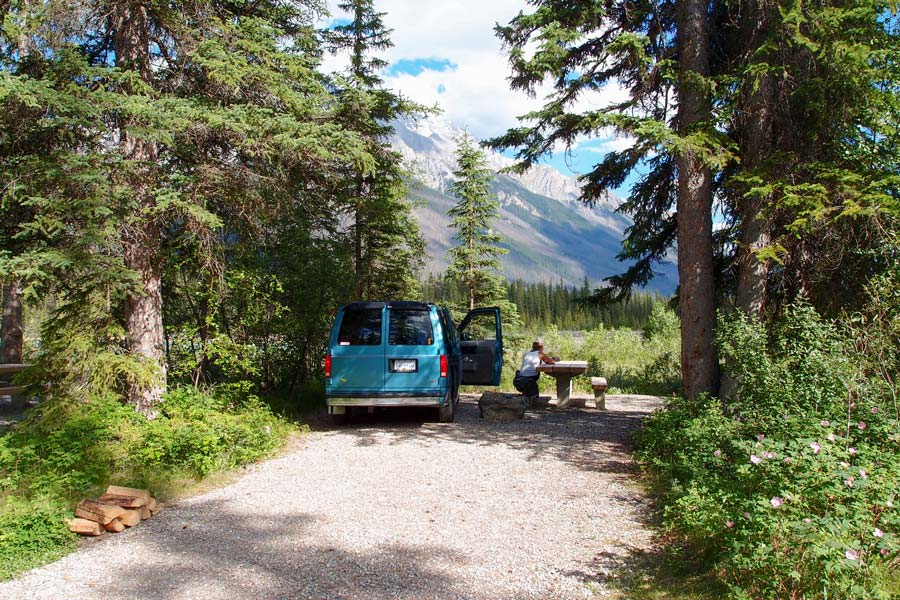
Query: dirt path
[{"x": 391, "y": 507}]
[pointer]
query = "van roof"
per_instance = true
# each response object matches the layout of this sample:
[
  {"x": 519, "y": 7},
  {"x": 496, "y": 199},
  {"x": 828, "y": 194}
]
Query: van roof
[{"x": 405, "y": 304}]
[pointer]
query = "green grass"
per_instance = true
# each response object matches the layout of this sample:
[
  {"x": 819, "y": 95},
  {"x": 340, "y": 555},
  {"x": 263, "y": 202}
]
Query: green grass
[
  {"x": 671, "y": 573},
  {"x": 69, "y": 450}
]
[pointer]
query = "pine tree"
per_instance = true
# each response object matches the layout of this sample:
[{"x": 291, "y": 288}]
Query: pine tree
[
  {"x": 388, "y": 247},
  {"x": 474, "y": 261},
  {"x": 161, "y": 123}
]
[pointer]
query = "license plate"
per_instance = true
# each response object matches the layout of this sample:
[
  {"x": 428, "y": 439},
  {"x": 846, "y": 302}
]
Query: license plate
[{"x": 405, "y": 365}]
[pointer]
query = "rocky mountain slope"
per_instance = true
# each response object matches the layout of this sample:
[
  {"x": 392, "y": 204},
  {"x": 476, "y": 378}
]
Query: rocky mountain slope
[{"x": 550, "y": 234}]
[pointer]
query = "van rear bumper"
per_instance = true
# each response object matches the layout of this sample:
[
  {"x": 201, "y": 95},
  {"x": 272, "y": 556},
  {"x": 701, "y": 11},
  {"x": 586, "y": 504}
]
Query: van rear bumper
[{"x": 394, "y": 400}]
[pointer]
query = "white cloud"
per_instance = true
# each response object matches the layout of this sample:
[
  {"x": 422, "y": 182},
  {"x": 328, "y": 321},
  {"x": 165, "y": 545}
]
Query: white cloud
[{"x": 476, "y": 94}]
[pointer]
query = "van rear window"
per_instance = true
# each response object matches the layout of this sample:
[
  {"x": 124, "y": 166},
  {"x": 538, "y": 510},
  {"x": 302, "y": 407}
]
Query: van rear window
[
  {"x": 410, "y": 328},
  {"x": 360, "y": 327}
]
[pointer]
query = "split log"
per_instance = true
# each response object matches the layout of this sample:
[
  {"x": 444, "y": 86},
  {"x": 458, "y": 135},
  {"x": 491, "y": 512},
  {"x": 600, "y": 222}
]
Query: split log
[
  {"x": 117, "y": 490},
  {"x": 98, "y": 512},
  {"x": 154, "y": 506},
  {"x": 123, "y": 501},
  {"x": 115, "y": 526},
  {"x": 145, "y": 513},
  {"x": 131, "y": 517},
  {"x": 84, "y": 527}
]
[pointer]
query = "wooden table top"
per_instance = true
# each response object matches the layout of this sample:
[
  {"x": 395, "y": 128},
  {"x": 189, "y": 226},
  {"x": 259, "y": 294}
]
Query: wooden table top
[
  {"x": 12, "y": 368},
  {"x": 564, "y": 367}
]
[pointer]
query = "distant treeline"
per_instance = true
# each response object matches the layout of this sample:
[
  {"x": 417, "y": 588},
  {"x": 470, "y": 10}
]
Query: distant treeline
[{"x": 543, "y": 304}]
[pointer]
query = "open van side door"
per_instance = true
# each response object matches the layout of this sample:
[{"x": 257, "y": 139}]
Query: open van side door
[{"x": 481, "y": 344}]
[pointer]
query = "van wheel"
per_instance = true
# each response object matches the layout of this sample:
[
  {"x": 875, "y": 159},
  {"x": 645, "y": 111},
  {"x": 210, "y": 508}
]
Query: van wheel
[
  {"x": 446, "y": 412},
  {"x": 341, "y": 419}
]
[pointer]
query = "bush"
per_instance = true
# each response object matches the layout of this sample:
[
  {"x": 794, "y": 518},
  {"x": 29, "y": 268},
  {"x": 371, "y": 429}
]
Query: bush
[
  {"x": 631, "y": 362},
  {"x": 791, "y": 489},
  {"x": 68, "y": 450}
]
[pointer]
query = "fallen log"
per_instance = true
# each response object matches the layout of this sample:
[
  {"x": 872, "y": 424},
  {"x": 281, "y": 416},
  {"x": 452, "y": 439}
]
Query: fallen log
[
  {"x": 98, "y": 512},
  {"x": 84, "y": 527}
]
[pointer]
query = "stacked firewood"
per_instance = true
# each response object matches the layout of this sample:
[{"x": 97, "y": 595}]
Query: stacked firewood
[{"x": 118, "y": 508}]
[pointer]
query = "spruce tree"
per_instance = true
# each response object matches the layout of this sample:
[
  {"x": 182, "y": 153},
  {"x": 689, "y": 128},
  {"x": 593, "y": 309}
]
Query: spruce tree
[
  {"x": 474, "y": 261},
  {"x": 388, "y": 247},
  {"x": 153, "y": 124}
]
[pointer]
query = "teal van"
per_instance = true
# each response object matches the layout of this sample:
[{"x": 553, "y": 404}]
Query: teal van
[{"x": 409, "y": 354}]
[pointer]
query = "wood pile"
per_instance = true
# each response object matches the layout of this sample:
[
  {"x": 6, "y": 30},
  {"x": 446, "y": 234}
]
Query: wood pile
[{"x": 118, "y": 508}]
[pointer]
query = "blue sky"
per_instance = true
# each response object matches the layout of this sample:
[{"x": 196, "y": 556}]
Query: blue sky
[{"x": 446, "y": 54}]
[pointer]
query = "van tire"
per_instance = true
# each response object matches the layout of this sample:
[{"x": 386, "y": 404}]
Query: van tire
[{"x": 447, "y": 412}]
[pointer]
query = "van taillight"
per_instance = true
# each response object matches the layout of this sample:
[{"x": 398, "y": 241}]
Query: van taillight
[
  {"x": 443, "y": 365},
  {"x": 327, "y": 366}
]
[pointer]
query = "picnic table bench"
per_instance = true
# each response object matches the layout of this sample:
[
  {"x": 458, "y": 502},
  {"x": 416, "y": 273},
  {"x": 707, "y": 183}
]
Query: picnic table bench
[
  {"x": 6, "y": 373},
  {"x": 563, "y": 371}
]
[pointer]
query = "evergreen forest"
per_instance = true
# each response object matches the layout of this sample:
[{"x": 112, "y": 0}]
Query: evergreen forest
[{"x": 187, "y": 196}]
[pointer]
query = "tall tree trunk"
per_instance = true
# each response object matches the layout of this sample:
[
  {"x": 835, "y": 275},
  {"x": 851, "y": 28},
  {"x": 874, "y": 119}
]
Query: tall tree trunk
[
  {"x": 141, "y": 240},
  {"x": 697, "y": 297},
  {"x": 756, "y": 146},
  {"x": 11, "y": 336}
]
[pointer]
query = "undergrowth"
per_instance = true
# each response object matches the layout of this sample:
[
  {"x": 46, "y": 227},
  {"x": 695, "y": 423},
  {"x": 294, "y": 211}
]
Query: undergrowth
[
  {"x": 67, "y": 450},
  {"x": 790, "y": 488}
]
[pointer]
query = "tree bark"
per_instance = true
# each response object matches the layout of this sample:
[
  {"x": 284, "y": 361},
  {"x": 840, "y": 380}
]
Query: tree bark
[
  {"x": 141, "y": 239},
  {"x": 11, "y": 335},
  {"x": 697, "y": 297},
  {"x": 756, "y": 146}
]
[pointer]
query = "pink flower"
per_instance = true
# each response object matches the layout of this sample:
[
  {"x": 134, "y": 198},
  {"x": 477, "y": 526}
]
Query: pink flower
[
  {"x": 807, "y": 520},
  {"x": 885, "y": 551},
  {"x": 815, "y": 447},
  {"x": 825, "y": 423},
  {"x": 755, "y": 459},
  {"x": 831, "y": 437},
  {"x": 729, "y": 524},
  {"x": 851, "y": 554},
  {"x": 851, "y": 450},
  {"x": 760, "y": 437},
  {"x": 776, "y": 502},
  {"x": 769, "y": 455},
  {"x": 863, "y": 474},
  {"x": 874, "y": 410},
  {"x": 788, "y": 460},
  {"x": 878, "y": 533},
  {"x": 861, "y": 425},
  {"x": 717, "y": 453},
  {"x": 849, "y": 482}
]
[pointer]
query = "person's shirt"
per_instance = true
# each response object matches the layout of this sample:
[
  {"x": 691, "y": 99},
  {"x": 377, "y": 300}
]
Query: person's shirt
[{"x": 530, "y": 363}]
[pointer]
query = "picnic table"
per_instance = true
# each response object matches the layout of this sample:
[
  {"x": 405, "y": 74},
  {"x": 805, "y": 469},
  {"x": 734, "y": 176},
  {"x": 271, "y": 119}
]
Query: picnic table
[{"x": 563, "y": 371}]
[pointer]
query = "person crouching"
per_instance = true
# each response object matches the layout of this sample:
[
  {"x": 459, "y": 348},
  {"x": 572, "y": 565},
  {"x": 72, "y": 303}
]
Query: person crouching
[{"x": 527, "y": 377}]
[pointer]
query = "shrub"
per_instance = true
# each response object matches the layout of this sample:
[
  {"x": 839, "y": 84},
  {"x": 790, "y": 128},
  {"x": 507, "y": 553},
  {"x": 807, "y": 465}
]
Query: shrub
[
  {"x": 68, "y": 450},
  {"x": 791, "y": 488}
]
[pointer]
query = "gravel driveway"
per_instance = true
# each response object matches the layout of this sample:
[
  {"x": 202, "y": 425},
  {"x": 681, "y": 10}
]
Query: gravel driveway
[{"x": 392, "y": 507}]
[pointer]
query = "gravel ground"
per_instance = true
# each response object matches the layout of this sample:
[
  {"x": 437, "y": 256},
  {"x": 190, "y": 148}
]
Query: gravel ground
[{"x": 391, "y": 507}]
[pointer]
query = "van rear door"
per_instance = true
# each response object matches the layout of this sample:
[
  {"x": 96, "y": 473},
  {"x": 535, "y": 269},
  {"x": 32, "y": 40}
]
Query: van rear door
[
  {"x": 357, "y": 353},
  {"x": 412, "y": 358},
  {"x": 481, "y": 344}
]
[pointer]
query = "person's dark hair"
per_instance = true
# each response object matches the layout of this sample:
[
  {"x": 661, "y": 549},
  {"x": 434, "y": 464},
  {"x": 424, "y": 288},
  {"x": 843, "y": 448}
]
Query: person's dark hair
[{"x": 536, "y": 346}]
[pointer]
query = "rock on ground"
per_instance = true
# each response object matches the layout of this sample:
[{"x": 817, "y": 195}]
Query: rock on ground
[{"x": 392, "y": 507}]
